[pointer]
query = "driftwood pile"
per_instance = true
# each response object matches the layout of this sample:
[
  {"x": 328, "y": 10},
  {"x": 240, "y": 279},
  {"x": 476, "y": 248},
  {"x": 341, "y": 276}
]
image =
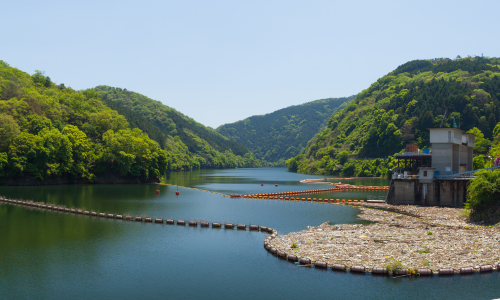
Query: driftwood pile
[{"x": 396, "y": 241}]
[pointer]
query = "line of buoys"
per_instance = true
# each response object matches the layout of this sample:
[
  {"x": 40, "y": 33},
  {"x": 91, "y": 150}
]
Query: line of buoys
[
  {"x": 335, "y": 189},
  {"x": 251, "y": 227},
  {"x": 331, "y": 201},
  {"x": 346, "y": 178}
]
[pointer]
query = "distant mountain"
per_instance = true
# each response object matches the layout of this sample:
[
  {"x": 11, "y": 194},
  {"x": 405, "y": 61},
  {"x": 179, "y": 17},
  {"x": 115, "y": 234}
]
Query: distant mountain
[
  {"x": 277, "y": 136},
  {"x": 189, "y": 144},
  {"x": 400, "y": 106}
]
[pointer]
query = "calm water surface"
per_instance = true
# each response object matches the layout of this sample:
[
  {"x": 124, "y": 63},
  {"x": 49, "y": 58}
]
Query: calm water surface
[{"x": 50, "y": 255}]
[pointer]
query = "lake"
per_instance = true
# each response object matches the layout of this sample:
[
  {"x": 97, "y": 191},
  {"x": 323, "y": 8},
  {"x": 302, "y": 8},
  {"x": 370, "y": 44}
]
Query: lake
[{"x": 52, "y": 255}]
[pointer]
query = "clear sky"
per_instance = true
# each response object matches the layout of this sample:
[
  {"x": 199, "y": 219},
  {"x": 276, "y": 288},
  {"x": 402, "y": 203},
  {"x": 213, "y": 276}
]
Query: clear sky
[{"x": 223, "y": 61}]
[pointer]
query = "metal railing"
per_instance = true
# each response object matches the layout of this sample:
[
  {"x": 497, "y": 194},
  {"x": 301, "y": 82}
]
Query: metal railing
[
  {"x": 402, "y": 176},
  {"x": 463, "y": 175},
  {"x": 414, "y": 154}
]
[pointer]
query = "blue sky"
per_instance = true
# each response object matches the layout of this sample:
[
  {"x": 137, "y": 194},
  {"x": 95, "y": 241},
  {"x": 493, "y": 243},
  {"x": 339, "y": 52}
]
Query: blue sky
[{"x": 223, "y": 61}]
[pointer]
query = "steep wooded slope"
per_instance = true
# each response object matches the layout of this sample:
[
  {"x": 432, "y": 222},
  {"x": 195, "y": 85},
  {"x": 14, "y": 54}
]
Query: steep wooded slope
[
  {"x": 282, "y": 134},
  {"x": 53, "y": 134},
  {"x": 399, "y": 107},
  {"x": 189, "y": 143}
]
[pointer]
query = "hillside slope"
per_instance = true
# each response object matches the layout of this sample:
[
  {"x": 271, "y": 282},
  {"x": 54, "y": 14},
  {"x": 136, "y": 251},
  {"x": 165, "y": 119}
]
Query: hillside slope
[
  {"x": 50, "y": 134},
  {"x": 399, "y": 107},
  {"x": 189, "y": 144},
  {"x": 282, "y": 134}
]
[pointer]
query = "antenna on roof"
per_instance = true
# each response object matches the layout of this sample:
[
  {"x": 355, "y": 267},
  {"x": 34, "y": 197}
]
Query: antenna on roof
[{"x": 444, "y": 117}]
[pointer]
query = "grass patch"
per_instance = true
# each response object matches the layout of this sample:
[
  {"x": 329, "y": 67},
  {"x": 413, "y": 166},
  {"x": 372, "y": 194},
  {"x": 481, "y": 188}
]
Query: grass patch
[
  {"x": 465, "y": 214},
  {"x": 426, "y": 263},
  {"x": 394, "y": 264},
  {"x": 423, "y": 251}
]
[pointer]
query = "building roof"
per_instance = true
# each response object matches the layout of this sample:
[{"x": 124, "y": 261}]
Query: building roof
[
  {"x": 450, "y": 128},
  {"x": 447, "y": 129}
]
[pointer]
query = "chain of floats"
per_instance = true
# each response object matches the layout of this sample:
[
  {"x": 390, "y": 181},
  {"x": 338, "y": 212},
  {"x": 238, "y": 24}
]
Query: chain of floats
[
  {"x": 44, "y": 206},
  {"x": 335, "y": 189}
]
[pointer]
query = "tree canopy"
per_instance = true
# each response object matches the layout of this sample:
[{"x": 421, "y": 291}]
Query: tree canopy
[{"x": 48, "y": 131}]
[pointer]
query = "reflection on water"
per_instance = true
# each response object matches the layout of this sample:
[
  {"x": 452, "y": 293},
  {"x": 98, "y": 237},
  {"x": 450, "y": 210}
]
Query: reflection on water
[{"x": 52, "y": 255}]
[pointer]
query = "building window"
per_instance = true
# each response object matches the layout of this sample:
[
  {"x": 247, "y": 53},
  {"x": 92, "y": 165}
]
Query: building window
[
  {"x": 425, "y": 173},
  {"x": 449, "y": 136}
]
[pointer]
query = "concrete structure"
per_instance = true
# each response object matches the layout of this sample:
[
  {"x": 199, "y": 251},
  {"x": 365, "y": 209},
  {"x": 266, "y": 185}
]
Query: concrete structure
[
  {"x": 425, "y": 174},
  {"x": 439, "y": 192},
  {"x": 451, "y": 150},
  {"x": 451, "y": 154}
]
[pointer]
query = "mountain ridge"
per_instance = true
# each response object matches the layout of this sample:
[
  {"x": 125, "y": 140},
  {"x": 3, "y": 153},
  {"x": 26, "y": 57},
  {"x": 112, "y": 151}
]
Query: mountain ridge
[
  {"x": 190, "y": 144},
  {"x": 281, "y": 134}
]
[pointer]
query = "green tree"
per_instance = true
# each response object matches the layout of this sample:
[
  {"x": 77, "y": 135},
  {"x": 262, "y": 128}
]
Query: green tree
[
  {"x": 37, "y": 123},
  {"x": 478, "y": 162},
  {"x": 102, "y": 121},
  {"x": 483, "y": 193},
  {"x": 481, "y": 145},
  {"x": 132, "y": 153},
  {"x": 349, "y": 169},
  {"x": 342, "y": 157},
  {"x": 8, "y": 131},
  {"x": 4, "y": 161},
  {"x": 82, "y": 155}
]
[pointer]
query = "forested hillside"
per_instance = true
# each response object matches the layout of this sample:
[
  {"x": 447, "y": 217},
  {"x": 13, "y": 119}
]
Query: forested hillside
[
  {"x": 277, "y": 136},
  {"x": 189, "y": 145},
  {"x": 53, "y": 134},
  {"x": 399, "y": 107}
]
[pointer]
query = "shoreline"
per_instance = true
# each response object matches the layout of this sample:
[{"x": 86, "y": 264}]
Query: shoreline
[{"x": 103, "y": 179}]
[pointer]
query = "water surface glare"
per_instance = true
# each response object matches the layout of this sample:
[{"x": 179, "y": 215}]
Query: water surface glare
[{"x": 52, "y": 255}]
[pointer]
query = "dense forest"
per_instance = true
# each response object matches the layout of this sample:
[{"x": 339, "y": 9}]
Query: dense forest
[
  {"x": 189, "y": 145},
  {"x": 277, "y": 136},
  {"x": 53, "y": 134},
  {"x": 399, "y": 107}
]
